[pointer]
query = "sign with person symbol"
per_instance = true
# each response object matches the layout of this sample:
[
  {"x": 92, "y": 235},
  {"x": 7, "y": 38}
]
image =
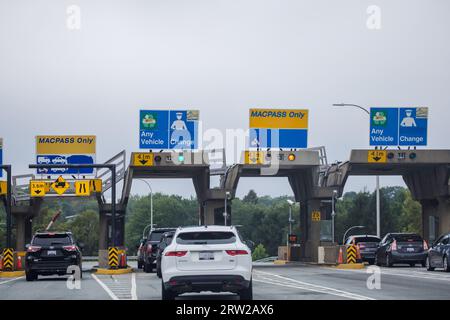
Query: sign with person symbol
[
  {"x": 168, "y": 129},
  {"x": 398, "y": 126}
]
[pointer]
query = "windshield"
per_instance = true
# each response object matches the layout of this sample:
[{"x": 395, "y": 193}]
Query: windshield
[
  {"x": 367, "y": 239},
  {"x": 407, "y": 238},
  {"x": 156, "y": 236},
  {"x": 209, "y": 237},
  {"x": 49, "y": 240}
]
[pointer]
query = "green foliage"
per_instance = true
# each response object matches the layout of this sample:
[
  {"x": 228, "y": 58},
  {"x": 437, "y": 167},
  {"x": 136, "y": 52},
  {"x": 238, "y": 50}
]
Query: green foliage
[
  {"x": 85, "y": 228},
  {"x": 259, "y": 252}
]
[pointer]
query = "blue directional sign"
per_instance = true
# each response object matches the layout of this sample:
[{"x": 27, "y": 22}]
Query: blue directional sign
[
  {"x": 398, "y": 126},
  {"x": 278, "y": 138},
  {"x": 168, "y": 129}
]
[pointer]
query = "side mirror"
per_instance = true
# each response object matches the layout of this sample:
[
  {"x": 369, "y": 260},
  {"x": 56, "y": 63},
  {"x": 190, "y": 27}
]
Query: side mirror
[
  {"x": 250, "y": 244},
  {"x": 81, "y": 245}
]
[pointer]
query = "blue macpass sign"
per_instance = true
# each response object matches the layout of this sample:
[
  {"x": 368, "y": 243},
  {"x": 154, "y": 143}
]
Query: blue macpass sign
[
  {"x": 398, "y": 126},
  {"x": 168, "y": 129},
  {"x": 278, "y": 138}
]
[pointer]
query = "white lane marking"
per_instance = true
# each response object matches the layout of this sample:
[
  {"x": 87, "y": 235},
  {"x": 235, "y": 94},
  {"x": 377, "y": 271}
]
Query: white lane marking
[
  {"x": 105, "y": 287},
  {"x": 413, "y": 274},
  {"x": 133, "y": 287},
  {"x": 11, "y": 280},
  {"x": 309, "y": 286}
]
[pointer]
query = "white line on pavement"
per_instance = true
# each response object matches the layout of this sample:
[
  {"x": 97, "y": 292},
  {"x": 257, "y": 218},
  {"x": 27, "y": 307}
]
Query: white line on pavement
[
  {"x": 10, "y": 280},
  {"x": 105, "y": 287},
  {"x": 133, "y": 287},
  {"x": 280, "y": 280}
]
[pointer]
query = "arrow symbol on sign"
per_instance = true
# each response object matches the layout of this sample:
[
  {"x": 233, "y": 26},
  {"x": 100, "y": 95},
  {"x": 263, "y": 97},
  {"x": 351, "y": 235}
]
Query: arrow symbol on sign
[
  {"x": 376, "y": 158},
  {"x": 37, "y": 191},
  {"x": 143, "y": 162}
]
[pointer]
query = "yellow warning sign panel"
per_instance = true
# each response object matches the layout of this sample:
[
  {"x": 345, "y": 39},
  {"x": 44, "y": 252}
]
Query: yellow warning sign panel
[
  {"x": 143, "y": 159},
  {"x": 38, "y": 188},
  {"x": 83, "y": 188},
  {"x": 254, "y": 157},
  {"x": 279, "y": 118},
  {"x": 315, "y": 216},
  {"x": 60, "y": 185},
  {"x": 377, "y": 156},
  {"x": 96, "y": 185},
  {"x": 3, "y": 187}
]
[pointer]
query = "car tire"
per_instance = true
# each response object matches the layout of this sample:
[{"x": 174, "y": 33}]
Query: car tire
[
  {"x": 30, "y": 276},
  {"x": 158, "y": 273},
  {"x": 148, "y": 268},
  {"x": 389, "y": 263},
  {"x": 446, "y": 264},
  {"x": 412, "y": 264},
  {"x": 139, "y": 265},
  {"x": 167, "y": 294},
  {"x": 423, "y": 264},
  {"x": 371, "y": 262},
  {"x": 428, "y": 264},
  {"x": 247, "y": 294},
  {"x": 377, "y": 263}
]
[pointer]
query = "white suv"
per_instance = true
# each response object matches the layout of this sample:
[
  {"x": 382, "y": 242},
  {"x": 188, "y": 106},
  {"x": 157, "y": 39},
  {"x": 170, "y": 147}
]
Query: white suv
[{"x": 206, "y": 258}]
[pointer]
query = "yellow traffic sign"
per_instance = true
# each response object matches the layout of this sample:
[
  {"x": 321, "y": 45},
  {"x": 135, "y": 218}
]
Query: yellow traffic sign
[
  {"x": 38, "y": 188},
  {"x": 315, "y": 216},
  {"x": 82, "y": 188},
  {"x": 96, "y": 185},
  {"x": 377, "y": 156},
  {"x": 254, "y": 157},
  {"x": 143, "y": 159},
  {"x": 3, "y": 187},
  {"x": 60, "y": 185}
]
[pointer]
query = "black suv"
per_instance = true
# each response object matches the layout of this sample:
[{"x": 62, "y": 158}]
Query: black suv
[
  {"x": 150, "y": 249},
  {"x": 51, "y": 253},
  {"x": 166, "y": 239}
]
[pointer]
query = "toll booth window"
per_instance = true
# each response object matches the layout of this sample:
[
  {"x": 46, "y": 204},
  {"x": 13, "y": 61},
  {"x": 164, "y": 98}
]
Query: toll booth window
[
  {"x": 49, "y": 240},
  {"x": 206, "y": 238}
]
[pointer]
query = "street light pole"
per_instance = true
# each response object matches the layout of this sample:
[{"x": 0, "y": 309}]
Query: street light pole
[
  {"x": 151, "y": 204},
  {"x": 378, "y": 207},
  {"x": 225, "y": 213},
  {"x": 348, "y": 230},
  {"x": 333, "y": 214},
  {"x": 288, "y": 245}
]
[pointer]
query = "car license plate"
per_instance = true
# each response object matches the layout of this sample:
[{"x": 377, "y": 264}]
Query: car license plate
[
  {"x": 206, "y": 255},
  {"x": 51, "y": 252},
  {"x": 410, "y": 249}
]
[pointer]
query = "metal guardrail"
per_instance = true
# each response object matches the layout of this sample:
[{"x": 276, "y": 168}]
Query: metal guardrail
[{"x": 120, "y": 161}]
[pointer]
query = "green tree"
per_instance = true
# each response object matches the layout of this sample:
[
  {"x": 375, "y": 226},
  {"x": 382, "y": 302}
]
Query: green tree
[
  {"x": 85, "y": 228},
  {"x": 259, "y": 252},
  {"x": 251, "y": 197}
]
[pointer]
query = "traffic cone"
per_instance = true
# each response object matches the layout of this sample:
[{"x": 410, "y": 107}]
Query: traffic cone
[
  {"x": 1, "y": 263},
  {"x": 123, "y": 262},
  {"x": 19, "y": 263},
  {"x": 340, "y": 256}
]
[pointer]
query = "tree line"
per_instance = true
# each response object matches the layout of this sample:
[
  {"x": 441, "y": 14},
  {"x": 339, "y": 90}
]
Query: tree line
[{"x": 262, "y": 219}]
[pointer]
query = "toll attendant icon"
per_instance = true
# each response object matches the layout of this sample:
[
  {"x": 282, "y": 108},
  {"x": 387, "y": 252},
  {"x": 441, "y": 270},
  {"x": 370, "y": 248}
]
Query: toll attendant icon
[
  {"x": 408, "y": 121},
  {"x": 180, "y": 135}
]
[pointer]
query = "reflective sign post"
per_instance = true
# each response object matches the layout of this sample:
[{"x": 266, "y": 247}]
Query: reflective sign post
[{"x": 7, "y": 168}]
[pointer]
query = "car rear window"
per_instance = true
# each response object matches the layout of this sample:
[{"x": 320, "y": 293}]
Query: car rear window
[
  {"x": 407, "y": 238},
  {"x": 156, "y": 236},
  {"x": 367, "y": 239},
  {"x": 206, "y": 237},
  {"x": 48, "y": 240}
]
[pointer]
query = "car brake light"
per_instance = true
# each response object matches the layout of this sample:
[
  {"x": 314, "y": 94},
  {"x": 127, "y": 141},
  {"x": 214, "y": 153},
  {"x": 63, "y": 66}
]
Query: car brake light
[
  {"x": 175, "y": 253},
  {"x": 236, "y": 252},
  {"x": 149, "y": 248},
  {"x": 425, "y": 245},
  {"x": 394, "y": 246},
  {"x": 70, "y": 248},
  {"x": 361, "y": 246},
  {"x": 33, "y": 249}
]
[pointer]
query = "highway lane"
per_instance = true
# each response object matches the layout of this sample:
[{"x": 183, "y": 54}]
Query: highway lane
[{"x": 290, "y": 282}]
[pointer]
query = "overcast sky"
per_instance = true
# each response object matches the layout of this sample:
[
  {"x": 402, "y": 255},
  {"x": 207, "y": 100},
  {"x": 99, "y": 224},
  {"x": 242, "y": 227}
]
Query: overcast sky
[{"x": 221, "y": 57}]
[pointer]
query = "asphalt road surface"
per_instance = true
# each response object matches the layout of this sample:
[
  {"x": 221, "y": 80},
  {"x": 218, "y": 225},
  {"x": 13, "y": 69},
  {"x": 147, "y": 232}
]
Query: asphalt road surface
[{"x": 290, "y": 282}]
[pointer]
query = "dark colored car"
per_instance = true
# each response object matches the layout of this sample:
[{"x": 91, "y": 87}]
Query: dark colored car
[
  {"x": 51, "y": 253},
  {"x": 408, "y": 248},
  {"x": 140, "y": 253},
  {"x": 368, "y": 246},
  {"x": 154, "y": 237},
  {"x": 165, "y": 241},
  {"x": 439, "y": 253}
]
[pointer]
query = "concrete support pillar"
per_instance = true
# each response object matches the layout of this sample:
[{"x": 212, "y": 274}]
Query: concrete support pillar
[
  {"x": 20, "y": 233},
  {"x": 435, "y": 218},
  {"x": 213, "y": 210},
  {"x": 103, "y": 232},
  {"x": 311, "y": 229}
]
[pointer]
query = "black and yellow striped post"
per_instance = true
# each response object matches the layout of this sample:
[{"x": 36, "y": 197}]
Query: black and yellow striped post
[
  {"x": 113, "y": 257},
  {"x": 351, "y": 254},
  {"x": 8, "y": 259}
]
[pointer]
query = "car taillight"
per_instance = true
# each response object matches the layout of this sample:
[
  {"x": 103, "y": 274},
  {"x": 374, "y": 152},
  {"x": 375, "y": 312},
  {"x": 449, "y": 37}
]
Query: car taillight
[
  {"x": 425, "y": 245},
  {"x": 175, "y": 253},
  {"x": 394, "y": 246},
  {"x": 33, "y": 249},
  {"x": 149, "y": 248},
  {"x": 236, "y": 252},
  {"x": 70, "y": 248},
  {"x": 361, "y": 246}
]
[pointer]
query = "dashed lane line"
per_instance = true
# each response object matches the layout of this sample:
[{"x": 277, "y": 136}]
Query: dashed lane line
[
  {"x": 119, "y": 287},
  {"x": 11, "y": 280}
]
